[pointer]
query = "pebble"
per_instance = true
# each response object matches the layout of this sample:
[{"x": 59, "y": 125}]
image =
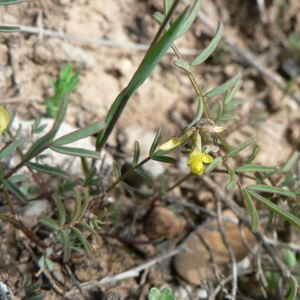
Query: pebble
[
  {"x": 193, "y": 264},
  {"x": 163, "y": 222},
  {"x": 128, "y": 135},
  {"x": 68, "y": 163},
  {"x": 147, "y": 250},
  {"x": 29, "y": 214}
]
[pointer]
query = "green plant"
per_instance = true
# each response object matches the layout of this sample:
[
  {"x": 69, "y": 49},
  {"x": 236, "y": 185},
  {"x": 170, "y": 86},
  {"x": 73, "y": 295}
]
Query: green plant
[
  {"x": 165, "y": 294},
  {"x": 65, "y": 84},
  {"x": 73, "y": 234}
]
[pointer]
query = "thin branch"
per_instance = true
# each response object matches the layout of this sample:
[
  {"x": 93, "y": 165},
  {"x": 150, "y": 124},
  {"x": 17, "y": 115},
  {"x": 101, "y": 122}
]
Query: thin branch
[
  {"x": 229, "y": 249},
  {"x": 95, "y": 41},
  {"x": 215, "y": 188}
]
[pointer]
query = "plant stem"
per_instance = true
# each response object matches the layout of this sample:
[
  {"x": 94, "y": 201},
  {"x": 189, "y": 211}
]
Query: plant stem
[
  {"x": 129, "y": 172},
  {"x": 194, "y": 84},
  {"x": 180, "y": 181}
]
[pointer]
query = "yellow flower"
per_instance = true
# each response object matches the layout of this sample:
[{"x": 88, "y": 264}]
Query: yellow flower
[
  {"x": 196, "y": 160},
  {"x": 4, "y": 119},
  {"x": 177, "y": 140}
]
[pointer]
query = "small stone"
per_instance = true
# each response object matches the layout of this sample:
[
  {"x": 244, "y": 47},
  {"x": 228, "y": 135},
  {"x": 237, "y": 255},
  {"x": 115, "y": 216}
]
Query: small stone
[
  {"x": 147, "y": 250},
  {"x": 163, "y": 222},
  {"x": 127, "y": 136},
  {"x": 56, "y": 159},
  {"x": 193, "y": 264},
  {"x": 29, "y": 214},
  {"x": 293, "y": 133},
  {"x": 41, "y": 54}
]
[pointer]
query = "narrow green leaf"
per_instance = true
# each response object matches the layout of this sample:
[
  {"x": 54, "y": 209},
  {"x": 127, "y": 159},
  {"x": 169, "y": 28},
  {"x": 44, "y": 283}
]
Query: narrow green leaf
[
  {"x": 213, "y": 164},
  {"x": 9, "y": 2},
  {"x": 189, "y": 21},
  {"x": 167, "y": 6},
  {"x": 233, "y": 181},
  {"x": 220, "y": 110},
  {"x": 253, "y": 155},
  {"x": 291, "y": 162},
  {"x": 255, "y": 168},
  {"x": 44, "y": 141},
  {"x": 76, "y": 151},
  {"x": 252, "y": 211},
  {"x": 18, "y": 178},
  {"x": 25, "y": 280},
  {"x": 48, "y": 169},
  {"x": 10, "y": 148},
  {"x": 288, "y": 181},
  {"x": 226, "y": 118},
  {"x": 91, "y": 174},
  {"x": 77, "y": 208},
  {"x": 156, "y": 142},
  {"x": 294, "y": 287},
  {"x": 35, "y": 286},
  {"x": 198, "y": 114},
  {"x": 18, "y": 133},
  {"x": 165, "y": 159},
  {"x": 9, "y": 29},
  {"x": 39, "y": 296},
  {"x": 92, "y": 231},
  {"x": 210, "y": 48},
  {"x": 144, "y": 175},
  {"x": 79, "y": 134},
  {"x": 233, "y": 92},
  {"x": 224, "y": 87},
  {"x": 127, "y": 188},
  {"x": 117, "y": 170},
  {"x": 61, "y": 211},
  {"x": 66, "y": 245},
  {"x": 276, "y": 209},
  {"x": 151, "y": 59},
  {"x": 49, "y": 222},
  {"x": 160, "y": 19},
  {"x": 36, "y": 128},
  {"x": 235, "y": 103},
  {"x": 15, "y": 190},
  {"x": 86, "y": 245},
  {"x": 289, "y": 257},
  {"x": 241, "y": 147},
  {"x": 182, "y": 65},
  {"x": 84, "y": 205},
  {"x": 271, "y": 189},
  {"x": 137, "y": 153},
  {"x": 49, "y": 264}
]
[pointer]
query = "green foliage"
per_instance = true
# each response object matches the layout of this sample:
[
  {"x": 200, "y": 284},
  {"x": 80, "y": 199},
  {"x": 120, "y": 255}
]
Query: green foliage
[
  {"x": 30, "y": 290},
  {"x": 65, "y": 84},
  {"x": 165, "y": 294},
  {"x": 77, "y": 231}
]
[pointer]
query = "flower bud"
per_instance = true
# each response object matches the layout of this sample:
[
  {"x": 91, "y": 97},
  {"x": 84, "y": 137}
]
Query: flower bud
[{"x": 4, "y": 119}]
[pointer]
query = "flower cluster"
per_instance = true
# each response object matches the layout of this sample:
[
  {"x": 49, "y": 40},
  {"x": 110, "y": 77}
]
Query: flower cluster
[{"x": 197, "y": 156}]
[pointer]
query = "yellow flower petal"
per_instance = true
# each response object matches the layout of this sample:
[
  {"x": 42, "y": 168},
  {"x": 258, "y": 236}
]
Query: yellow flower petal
[
  {"x": 197, "y": 166},
  {"x": 218, "y": 129},
  {"x": 206, "y": 158},
  {"x": 172, "y": 143},
  {"x": 4, "y": 119},
  {"x": 196, "y": 160}
]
